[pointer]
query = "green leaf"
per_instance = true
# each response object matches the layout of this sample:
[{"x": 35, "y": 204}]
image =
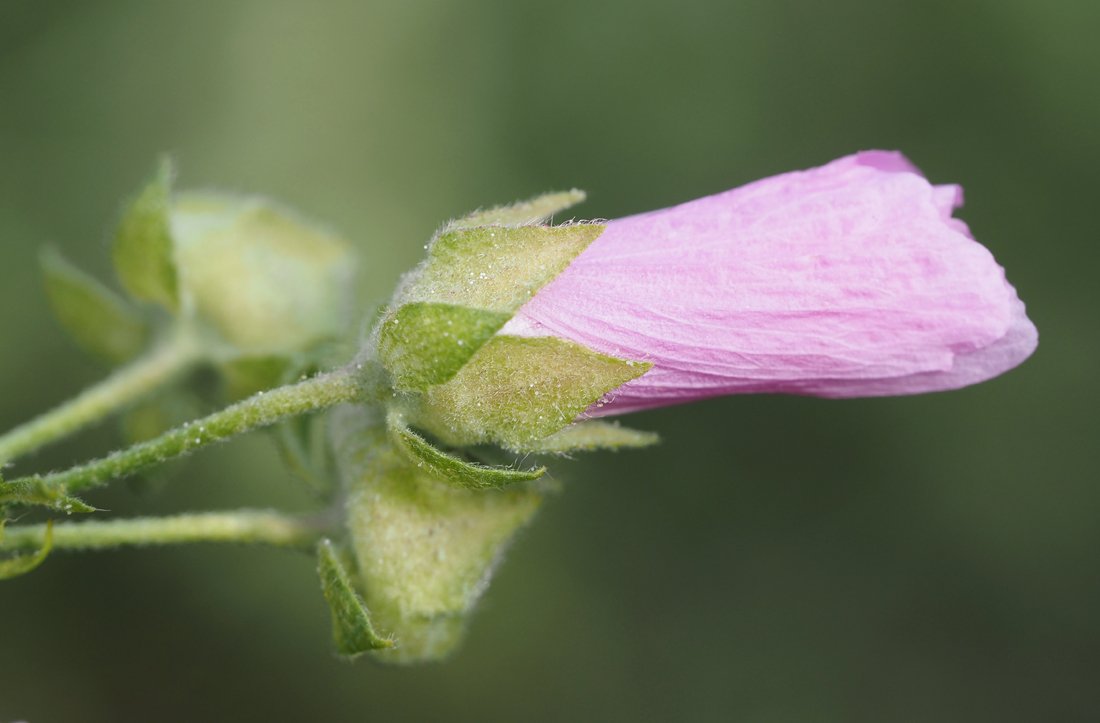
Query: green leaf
[
  {"x": 453, "y": 470},
  {"x": 496, "y": 268},
  {"x": 100, "y": 321},
  {"x": 590, "y": 436},
  {"x": 35, "y": 492},
  {"x": 424, "y": 344},
  {"x": 351, "y": 625},
  {"x": 521, "y": 213},
  {"x": 22, "y": 564},
  {"x": 517, "y": 391},
  {"x": 143, "y": 249},
  {"x": 302, "y": 444}
]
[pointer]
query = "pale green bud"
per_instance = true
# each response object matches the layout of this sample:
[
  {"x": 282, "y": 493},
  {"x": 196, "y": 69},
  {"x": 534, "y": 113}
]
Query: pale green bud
[
  {"x": 254, "y": 278},
  {"x": 266, "y": 281}
]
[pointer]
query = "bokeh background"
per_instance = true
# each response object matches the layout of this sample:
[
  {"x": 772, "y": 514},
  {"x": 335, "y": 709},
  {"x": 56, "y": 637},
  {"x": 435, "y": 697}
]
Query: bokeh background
[{"x": 777, "y": 559}]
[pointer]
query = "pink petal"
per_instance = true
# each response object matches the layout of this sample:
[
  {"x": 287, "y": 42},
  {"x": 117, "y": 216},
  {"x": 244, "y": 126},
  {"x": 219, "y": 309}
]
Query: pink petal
[{"x": 847, "y": 280}]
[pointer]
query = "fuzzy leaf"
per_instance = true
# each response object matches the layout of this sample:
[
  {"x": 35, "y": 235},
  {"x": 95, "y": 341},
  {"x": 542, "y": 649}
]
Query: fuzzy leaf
[
  {"x": 22, "y": 564},
  {"x": 100, "y": 321},
  {"x": 143, "y": 248},
  {"x": 496, "y": 268},
  {"x": 455, "y": 471},
  {"x": 424, "y": 344},
  {"x": 593, "y": 435},
  {"x": 516, "y": 391},
  {"x": 36, "y": 493},
  {"x": 521, "y": 213},
  {"x": 351, "y": 625}
]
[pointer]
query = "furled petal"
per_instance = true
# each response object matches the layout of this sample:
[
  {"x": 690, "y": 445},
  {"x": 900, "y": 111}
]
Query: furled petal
[{"x": 848, "y": 280}]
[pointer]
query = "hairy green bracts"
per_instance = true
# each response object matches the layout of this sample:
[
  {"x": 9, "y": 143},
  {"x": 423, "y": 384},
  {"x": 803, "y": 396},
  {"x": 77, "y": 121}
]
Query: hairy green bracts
[
  {"x": 427, "y": 519},
  {"x": 461, "y": 380},
  {"x": 413, "y": 457},
  {"x": 425, "y": 548}
]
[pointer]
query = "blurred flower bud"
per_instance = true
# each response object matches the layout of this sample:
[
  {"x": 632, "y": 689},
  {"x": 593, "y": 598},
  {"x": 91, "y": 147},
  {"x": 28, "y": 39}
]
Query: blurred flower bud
[
  {"x": 265, "y": 282},
  {"x": 268, "y": 282}
]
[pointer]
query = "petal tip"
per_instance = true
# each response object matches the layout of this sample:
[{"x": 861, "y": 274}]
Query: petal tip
[{"x": 887, "y": 161}]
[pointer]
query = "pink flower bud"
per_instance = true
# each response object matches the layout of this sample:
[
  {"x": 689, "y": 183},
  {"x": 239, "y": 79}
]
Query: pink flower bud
[{"x": 848, "y": 280}]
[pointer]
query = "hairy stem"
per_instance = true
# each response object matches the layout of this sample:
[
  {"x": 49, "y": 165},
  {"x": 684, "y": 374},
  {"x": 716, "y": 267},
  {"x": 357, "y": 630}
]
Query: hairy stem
[
  {"x": 240, "y": 526},
  {"x": 159, "y": 366},
  {"x": 260, "y": 410}
]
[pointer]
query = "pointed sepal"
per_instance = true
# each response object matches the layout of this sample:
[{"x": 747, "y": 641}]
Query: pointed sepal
[
  {"x": 496, "y": 268},
  {"x": 424, "y": 343},
  {"x": 352, "y": 630},
  {"x": 34, "y": 492},
  {"x": 99, "y": 320},
  {"x": 143, "y": 251},
  {"x": 521, "y": 213},
  {"x": 516, "y": 391},
  {"x": 593, "y": 435},
  {"x": 455, "y": 471}
]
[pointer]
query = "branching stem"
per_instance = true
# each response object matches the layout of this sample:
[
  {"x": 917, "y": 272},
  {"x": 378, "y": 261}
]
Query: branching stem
[
  {"x": 240, "y": 526},
  {"x": 159, "y": 366},
  {"x": 261, "y": 410}
]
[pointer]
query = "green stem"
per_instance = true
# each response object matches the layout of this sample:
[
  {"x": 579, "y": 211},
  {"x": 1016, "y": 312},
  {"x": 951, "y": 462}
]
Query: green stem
[
  {"x": 163, "y": 363},
  {"x": 260, "y": 410},
  {"x": 241, "y": 526}
]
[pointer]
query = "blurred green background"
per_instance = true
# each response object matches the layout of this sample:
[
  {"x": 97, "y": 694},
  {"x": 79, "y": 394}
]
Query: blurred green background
[{"x": 777, "y": 559}]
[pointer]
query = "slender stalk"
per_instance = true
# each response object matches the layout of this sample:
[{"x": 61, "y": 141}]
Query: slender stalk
[
  {"x": 163, "y": 363},
  {"x": 261, "y": 410},
  {"x": 240, "y": 526}
]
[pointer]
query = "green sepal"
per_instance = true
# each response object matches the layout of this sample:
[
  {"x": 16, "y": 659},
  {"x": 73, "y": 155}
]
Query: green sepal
[
  {"x": 521, "y": 213},
  {"x": 34, "y": 492},
  {"x": 99, "y": 320},
  {"x": 517, "y": 391},
  {"x": 144, "y": 254},
  {"x": 424, "y": 343},
  {"x": 22, "y": 564},
  {"x": 453, "y": 470},
  {"x": 496, "y": 268},
  {"x": 591, "y": 436},
  {"x": 352, "y": 629}
]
